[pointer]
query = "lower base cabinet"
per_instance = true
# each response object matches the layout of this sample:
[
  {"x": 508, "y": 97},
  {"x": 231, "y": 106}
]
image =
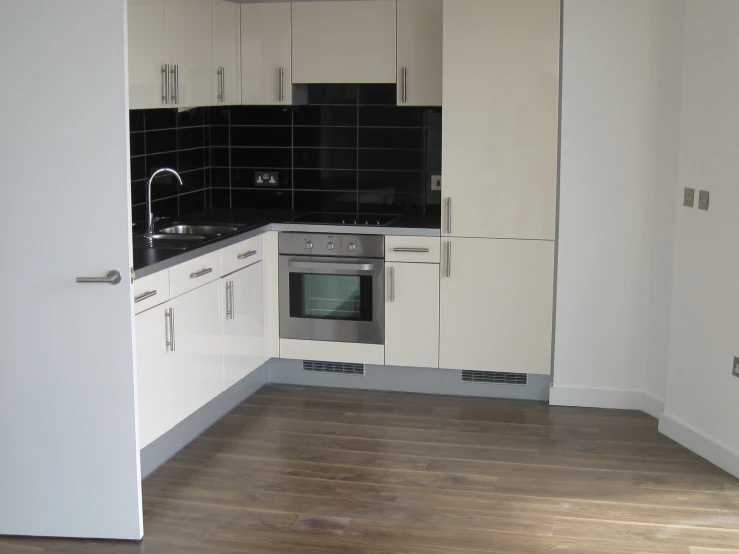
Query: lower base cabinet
[
  {"x": 197, "y": 357},
  {"x": 412, "y": 314},
  {"x": 496, "y": 305}
]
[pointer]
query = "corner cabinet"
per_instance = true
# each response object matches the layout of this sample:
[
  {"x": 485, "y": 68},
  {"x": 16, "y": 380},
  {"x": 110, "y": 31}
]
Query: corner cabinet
[
  {"x": 226, "y": 53},
  {"x": 266, "y": 57},
  {"x": 496, "y": 305},
  {"x": 420, "y": 46},
  {"x": 500, "y": 119},
  {"x": 147, "y": 54}
]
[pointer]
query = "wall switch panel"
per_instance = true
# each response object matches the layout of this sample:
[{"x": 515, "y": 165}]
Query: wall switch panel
[
  {"x": 689, "y": 197},
  {"x": 735, "y": 369},
  {"x": 436, "y": 182},
  {"x": 704, "y": 199},
  {"x": 266, "y": 178}
]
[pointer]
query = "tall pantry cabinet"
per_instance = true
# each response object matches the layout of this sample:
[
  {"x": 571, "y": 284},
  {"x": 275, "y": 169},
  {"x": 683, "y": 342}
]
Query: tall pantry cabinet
[{"x": 500, "y": 121}]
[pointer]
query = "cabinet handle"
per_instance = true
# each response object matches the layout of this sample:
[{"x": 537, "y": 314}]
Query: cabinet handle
[
  {"x": 392, "y": 284},
  {"x": 412, "y": 250},
  {"x": 449, "y": 259},
  {"x": 281, "y": 86},
  {"x": 175, "y": 73},
  {"x": 404, "y": 85},
  {"x": 233, "y": 302},
  {"x": 169, "y": 320},
  {"x": 229, "y": 291},
  {"x": 145, "y": 296},
  {"x": 165, "y": 84},
  {"x": 221, "y": 85},
  {"x": 246, "y": 255},
  {"x": 201, "y": 273},
  {"x": 113, "y": 277},
  {"x": 449, "y": 216}
]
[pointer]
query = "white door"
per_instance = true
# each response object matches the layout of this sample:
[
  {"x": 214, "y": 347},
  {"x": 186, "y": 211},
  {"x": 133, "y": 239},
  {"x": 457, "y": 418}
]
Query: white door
[
  {"x": 70, "y": 458},
  {"x": 197, "y": 360},
  {"x": 496, "y": 305},
  {"x": 266, "y": 57},
  {"x": 147, "y": 54},
  {"x": 344, "y": 42},
  {"x": 154, "y": 374},
  {"x": 243, "y": 323},
  {"x": 501, "y": 106},
  {"x": 189, "y": 35},
  {"x": 420, "y": 40},
  {"x": 226, "y": 53},
  {"x": 412, "y": 315}
]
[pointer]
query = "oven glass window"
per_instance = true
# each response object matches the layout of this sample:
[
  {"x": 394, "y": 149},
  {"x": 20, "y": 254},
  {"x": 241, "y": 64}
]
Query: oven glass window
[{"x": 317, "y": 296}]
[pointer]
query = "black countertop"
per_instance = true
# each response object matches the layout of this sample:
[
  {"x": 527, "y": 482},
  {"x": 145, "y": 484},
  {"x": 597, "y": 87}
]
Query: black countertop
[{"x": 149, "y": 260}]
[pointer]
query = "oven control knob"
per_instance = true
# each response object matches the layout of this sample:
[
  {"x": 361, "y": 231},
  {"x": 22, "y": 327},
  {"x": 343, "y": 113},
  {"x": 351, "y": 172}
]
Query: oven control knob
[
  {"x": 330, "y": 245},
  {"x": 309, "y": 245},
  {"x": 352, "y": 246}
]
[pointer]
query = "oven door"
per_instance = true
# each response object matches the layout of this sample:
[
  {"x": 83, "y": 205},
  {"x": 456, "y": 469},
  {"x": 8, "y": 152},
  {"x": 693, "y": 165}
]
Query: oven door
[{"x": 332, "y": 299}]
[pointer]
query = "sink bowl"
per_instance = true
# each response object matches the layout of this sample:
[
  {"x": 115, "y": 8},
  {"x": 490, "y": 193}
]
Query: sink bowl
[
  {"x": 170, "y": 242},
  {"x": 190, "y": 230}
]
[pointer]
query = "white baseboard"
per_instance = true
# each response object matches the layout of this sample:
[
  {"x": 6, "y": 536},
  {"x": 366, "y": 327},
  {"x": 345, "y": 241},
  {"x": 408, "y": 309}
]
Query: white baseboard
[
  {"x": 607, "y": 398},
  {"x": 652, "y": 405},
  {"x": 701, "y": 443}
]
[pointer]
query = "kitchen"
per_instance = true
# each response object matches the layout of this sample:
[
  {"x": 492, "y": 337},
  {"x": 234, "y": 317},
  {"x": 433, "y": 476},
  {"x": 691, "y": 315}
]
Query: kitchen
[{"x": 323, "y": 228}]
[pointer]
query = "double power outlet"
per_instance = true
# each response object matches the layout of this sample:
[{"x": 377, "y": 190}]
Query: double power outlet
[{"x": 704, "y": 199}]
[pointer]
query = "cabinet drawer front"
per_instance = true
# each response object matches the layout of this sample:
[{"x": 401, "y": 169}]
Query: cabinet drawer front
[
  {"x": 242, "y": 255},
  {"x": 150, "y": 291},
  {"x": 195, "y": 273},
  {"x": 413, "y": 249}
]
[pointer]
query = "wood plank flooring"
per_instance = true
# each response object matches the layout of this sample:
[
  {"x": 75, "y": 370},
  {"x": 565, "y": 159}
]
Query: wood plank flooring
[{"x": 330, "y": 471}]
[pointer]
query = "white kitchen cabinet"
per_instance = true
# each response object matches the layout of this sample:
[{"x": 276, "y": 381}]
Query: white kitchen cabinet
[
  {"x": 266, "y": 61},
  {"x": 243, "y": 323},
  {"x": 147, "y": 53},
  {"x": 153, "y": 374},
  {"x": 189, "y": 36},
  {"x": 420, "y": 50},
  {"x": 344, "y": 42},
  {"x": 412, "y": 314},
  {"x": 496, "y": 305},
  {"x": 226, "y": 53},
  {"x": 197, "y": 359},
  {"x": 500, "y": 119}
]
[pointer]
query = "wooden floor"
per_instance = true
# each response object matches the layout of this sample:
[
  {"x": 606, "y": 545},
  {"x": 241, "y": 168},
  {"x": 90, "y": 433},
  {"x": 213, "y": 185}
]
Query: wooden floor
[{"x": 316, "y": 470}]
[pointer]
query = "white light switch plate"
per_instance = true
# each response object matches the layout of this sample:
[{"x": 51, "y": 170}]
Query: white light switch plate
[{"x": 436, "y": 182}]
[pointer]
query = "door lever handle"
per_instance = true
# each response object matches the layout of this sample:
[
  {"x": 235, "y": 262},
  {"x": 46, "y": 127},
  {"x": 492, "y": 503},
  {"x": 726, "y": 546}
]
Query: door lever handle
[{"x": 112, "y": 278}]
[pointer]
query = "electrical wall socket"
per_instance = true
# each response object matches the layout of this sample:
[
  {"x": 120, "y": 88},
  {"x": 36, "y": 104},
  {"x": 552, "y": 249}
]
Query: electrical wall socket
[
  {"x": 704, "y": 200},
  {"x": 436, "y": 182},
  {"x": 735, "y": 368},
  {"x": 689, "y": 197}
]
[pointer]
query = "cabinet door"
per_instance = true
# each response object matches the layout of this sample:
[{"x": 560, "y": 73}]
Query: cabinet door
[
  {"x": 420, "y": 33},
  {"x": 243, "y": 324},
  {"x": 197, "y": 360},
  {"x": 266, "y": 66},
  {"x": 189, "y": 34},
  {"x": 226, "y": 53},
  {"x": 500, "y": 120},
  {"x": 147, "y": 53},
  {"x": 496, "y": 305},
  {"x": 153, "y": 375},
  {"x": 344, "y": 42},
  {"x": 412, "y": 315}
]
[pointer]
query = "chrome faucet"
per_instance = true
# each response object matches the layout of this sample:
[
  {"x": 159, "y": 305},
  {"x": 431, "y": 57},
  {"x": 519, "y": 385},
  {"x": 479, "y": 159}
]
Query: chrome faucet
[{"x": 149, "y": 215}]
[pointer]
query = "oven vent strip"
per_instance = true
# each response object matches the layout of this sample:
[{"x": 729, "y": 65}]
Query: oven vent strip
[
  {"x": 494, "y": 378},
  {"x": 333, "y": 368}
]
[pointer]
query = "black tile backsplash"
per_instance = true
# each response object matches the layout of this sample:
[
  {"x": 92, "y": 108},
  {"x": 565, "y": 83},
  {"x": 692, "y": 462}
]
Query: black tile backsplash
[{"x": 345, "y": 148}]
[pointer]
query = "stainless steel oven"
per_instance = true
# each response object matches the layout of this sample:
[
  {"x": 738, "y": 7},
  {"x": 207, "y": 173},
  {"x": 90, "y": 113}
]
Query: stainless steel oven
[{"x": 332, "y": 287}]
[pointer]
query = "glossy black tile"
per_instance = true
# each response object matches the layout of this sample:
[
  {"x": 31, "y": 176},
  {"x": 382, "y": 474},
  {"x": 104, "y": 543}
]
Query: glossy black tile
[
  {"x": 165, "y": 208},
  {"x": 337, "y": 116},
  {"x": 391, "y": 116},
  {"x": 324, "y": 158},
  {"x": 385, "y": 137},
  {"x": 220, "y": 198},
  {"x": 245, "y": 178},
  {"x": 219, "y": 136},
  {"x": 391, "y": 202},
  {"x": 260, "y": 115},
  {"x": 158, "y": 161},
  {"x": 261, "y": 199},
  {"x": 219, "y": 116},
  {"x": 191, "y": 202},
  {"x": 331, "y": 94},
  {"x": 261, "y": 136},
  {"x": 320, "y": 201},
  {"x": 138, "y": 213},
  {"x": 220, "y": 177},
  {"x": 433, "y": 118},
  {"x": 165, "y": 118},
  {"x": 190, "y": 137},
  {"x": 138, "y": 144},
  {"x": 398, "y": 181},
  {"x": 138, "y": 168},
  {"x": 191, "y": 118},
  {"x": 433, "y": 160},
  {"x": 324, "y": 179},
  {"x": 161, "y": 141},
  {"x": 135, "y": 120},
  {"x": 261, "y": 158},
  {"x": 385, "y": 94},
  {"x": 433, "y": 138},
  {"x": 325, "y": 137},
  {"x": 138, "y": 192},
  {"x": 188, "y": 160},
  {"x": 403, "y": 160},
  {"x": 220, "y": 157}
]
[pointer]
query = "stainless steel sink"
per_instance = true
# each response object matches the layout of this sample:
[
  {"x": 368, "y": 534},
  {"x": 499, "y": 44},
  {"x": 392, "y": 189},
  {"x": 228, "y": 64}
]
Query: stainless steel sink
[
  {"x": 194, "y": 230},
  {"x": 169, "y": 242}
]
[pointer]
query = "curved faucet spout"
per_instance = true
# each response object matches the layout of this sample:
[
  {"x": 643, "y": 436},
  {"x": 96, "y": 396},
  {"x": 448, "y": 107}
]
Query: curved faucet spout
[{"x": 149, "y": 214}]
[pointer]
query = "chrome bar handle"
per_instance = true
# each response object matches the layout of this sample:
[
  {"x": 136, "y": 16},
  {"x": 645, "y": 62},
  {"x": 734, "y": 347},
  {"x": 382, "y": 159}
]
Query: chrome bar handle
[
  {"x": 449, "y": 216},
  {"x": 169, "y": 321},
  {"x": 165, "y": 84},
  {"x": 281, "y": 81},
  {"x": 200, "y": 273},
  {"x": 412, "y": 250},
  {"x": 145, "y": 296},
  {"x": 112, "y": 278},
  {"x": 246, "y": 255},
  {"x": 172, "y": 86},
  {"x": 229, "y": 310},
  {"x": 221, "y": 85},
  {"x": 449, "y": 259},
  {"x": 177, "y": 82},
  {"x": 233, "y": 302},
  {"x": 405, "y": 85},
  {"x": 392, "y": 284}
]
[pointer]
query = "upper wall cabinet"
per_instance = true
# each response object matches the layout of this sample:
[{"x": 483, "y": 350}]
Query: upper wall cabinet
[
  {"x": 420, "y": 35},
  {"x": 265, "y": 54},
  {"x": 170, "y": 57},
  {"x": 501, "y": 104},
  {"x": 344, "y": 42},
  {"x": 226, "y": 53}
]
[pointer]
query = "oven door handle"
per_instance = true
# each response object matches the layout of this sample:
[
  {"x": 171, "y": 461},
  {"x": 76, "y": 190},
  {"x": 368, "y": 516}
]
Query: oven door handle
[{"x": 340, "y": 266}]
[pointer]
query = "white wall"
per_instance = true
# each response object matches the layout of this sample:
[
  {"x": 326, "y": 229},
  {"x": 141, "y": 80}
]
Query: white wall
[
  {"x": 620, "y": 107},
  {"x": 702, "y": 396}
]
